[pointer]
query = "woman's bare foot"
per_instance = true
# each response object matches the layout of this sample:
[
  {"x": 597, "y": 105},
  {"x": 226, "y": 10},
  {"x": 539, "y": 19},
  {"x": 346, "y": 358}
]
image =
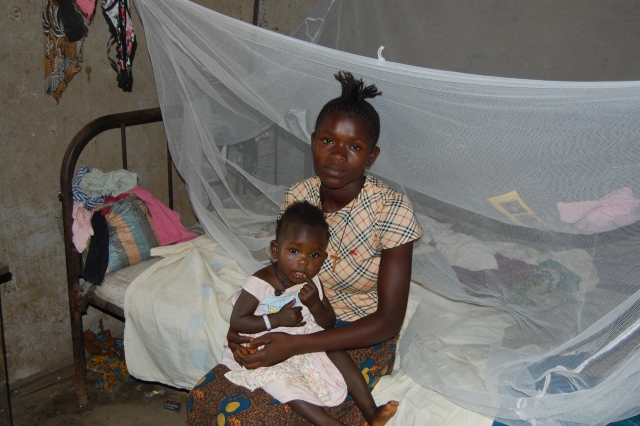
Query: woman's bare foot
[{"x": 384, "y": 413}]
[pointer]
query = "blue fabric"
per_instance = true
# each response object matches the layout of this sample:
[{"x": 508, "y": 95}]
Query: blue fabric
[
  {"x": 633, "y": 421},
  {"x": 568, "y": 281},
  {"x": 78, "y": 192}
]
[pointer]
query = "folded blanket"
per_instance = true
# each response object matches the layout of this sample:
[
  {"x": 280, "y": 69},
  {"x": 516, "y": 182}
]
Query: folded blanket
[{"x": 177, "y": 313}]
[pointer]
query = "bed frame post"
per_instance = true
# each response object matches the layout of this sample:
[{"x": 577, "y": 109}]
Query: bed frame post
[
  {"x": 123, "y": 140},
  {"x": 256, "y": 11},
  {"x": 170, "y": 176},
  {"x": 77, "y": 304}
]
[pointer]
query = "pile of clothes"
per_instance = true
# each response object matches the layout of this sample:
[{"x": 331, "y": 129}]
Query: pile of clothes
[
  {"x": 116, "y": 222},
  {"x": 106, "y": 356}
]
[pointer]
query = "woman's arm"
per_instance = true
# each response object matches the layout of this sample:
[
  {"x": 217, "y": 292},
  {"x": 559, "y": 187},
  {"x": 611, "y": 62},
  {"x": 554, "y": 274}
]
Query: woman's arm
[{"x": 394, "y": 277}]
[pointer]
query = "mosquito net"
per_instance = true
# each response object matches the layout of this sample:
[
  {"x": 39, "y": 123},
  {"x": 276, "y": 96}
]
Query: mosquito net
[{"x": 526, "y": 191}]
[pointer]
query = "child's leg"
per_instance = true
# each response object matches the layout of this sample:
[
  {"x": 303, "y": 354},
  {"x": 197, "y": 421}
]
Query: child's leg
[
  {"x": 357, "y": 387},
  {"x": 314, "y": 414}
]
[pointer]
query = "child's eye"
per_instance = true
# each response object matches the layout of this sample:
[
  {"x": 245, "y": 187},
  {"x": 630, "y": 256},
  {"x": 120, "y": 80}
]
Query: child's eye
[
  {"x": 315, "y": 255},
  {"x": 327, "y": 140},
  {"x": 355, "y": 147},
  {"x": 293, "y": 251}
]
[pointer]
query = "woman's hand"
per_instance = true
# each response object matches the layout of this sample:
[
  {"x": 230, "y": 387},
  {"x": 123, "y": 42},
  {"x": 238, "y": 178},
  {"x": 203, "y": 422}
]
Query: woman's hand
[
  {"x": 235, "y": 342},
  {"x": 276, "y": 347}
]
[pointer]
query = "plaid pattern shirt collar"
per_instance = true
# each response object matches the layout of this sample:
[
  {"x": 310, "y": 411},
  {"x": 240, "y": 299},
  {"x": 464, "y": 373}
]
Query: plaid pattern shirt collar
[{"x": 378, "y": 218}]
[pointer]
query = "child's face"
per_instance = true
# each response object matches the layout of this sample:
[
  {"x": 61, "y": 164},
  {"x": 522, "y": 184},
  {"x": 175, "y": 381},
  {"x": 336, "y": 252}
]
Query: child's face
[
  {"x": 342, "y": 149},
  {"x": 300, "y": 251}
]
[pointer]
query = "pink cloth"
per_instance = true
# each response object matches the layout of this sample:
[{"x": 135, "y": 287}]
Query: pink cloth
[
  {"x": 81, "y": 228},
  {"x": 166, "y": 222},
  {"x": 616, "y": 209},
  {"x": 88, "y": 7}
]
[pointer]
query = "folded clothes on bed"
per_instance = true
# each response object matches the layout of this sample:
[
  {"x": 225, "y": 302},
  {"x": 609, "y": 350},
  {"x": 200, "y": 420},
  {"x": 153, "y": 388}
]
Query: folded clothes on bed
[
  {"x": 514, "y": 279},
  {"x": 616, "y": 209},
  {"x": 78, "y": 192},
  {"x": 508, "y": 273},
  {"x": 97, "y": 183}
]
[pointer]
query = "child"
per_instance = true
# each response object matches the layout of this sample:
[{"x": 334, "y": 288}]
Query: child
[{"x": 288, "y": 297}]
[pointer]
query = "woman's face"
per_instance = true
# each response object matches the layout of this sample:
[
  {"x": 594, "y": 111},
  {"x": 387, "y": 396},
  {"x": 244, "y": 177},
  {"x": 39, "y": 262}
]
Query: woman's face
[
  {"x": 342, "y": 149},
  {"x": 300, "y": 251}
]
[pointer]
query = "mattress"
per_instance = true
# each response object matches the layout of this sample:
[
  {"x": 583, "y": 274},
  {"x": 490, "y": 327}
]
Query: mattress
[{"x": 115, "y": 284}]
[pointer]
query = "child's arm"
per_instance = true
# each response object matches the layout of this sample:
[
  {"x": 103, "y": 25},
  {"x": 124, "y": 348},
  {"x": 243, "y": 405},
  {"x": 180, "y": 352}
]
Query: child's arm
[
  {"x": 243, "y": 319},
  {"x": 320, "y": 309}
]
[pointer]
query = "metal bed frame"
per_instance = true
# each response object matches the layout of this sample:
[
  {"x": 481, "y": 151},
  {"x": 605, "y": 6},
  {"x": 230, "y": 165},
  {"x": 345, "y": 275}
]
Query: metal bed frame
[{"x": 79, "y": 302}]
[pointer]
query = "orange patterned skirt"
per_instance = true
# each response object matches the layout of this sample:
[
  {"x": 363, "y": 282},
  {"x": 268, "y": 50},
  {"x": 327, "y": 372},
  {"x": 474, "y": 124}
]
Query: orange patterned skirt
[{"x": 217, "y": 401}]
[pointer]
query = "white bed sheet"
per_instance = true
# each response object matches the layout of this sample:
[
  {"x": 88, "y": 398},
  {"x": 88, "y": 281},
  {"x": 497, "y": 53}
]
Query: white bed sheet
[{"x": 177, "y": 315}]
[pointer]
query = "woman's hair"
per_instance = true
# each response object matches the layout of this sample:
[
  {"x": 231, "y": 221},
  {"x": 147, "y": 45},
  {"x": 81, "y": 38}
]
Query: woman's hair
[
  {"x": 353, "y": 101},
  {"x": 302, "y": 213}
]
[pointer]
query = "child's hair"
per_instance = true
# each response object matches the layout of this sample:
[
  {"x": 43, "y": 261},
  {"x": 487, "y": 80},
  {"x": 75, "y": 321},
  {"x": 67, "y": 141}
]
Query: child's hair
[
  {"x": 303, "y": 213},
  {"x": 353, "y": 101}
]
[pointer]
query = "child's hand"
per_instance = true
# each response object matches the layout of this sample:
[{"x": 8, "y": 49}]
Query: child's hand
[
  {"x": 288, "y": 316},
  {"x": 245, "y": 351},
  {"x": 309, "y": 295},
  {"x": 321, "y": 310}
]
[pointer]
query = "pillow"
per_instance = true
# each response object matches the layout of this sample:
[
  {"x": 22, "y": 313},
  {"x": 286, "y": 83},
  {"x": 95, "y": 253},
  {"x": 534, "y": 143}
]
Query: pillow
[{"x": 131, "y": 233}]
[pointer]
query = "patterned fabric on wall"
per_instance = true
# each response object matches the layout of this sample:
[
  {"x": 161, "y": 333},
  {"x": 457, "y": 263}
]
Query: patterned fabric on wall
[
  {"x": 62, "y": 46},
  {"x": 118, "y": 14}
]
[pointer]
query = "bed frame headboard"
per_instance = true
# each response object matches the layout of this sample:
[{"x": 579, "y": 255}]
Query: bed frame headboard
[{"x": 78, "y": 302}]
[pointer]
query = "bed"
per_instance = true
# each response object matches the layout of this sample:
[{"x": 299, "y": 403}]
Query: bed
[
  {"x": 124, "y": 295},
  {"x": 181, "y": 299}
]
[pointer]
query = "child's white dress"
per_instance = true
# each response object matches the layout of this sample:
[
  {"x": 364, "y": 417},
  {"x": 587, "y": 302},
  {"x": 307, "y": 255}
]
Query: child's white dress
[{"x": 309, "y": 377}]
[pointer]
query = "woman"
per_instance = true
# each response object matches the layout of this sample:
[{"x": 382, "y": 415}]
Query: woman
[{"x": 366, "y": 276}]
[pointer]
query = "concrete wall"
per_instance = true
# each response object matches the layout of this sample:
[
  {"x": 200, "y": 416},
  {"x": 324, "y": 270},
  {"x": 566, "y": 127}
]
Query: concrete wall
[
  {"x": 513, "y": 38},
  {"x": 34, "y": 134}
]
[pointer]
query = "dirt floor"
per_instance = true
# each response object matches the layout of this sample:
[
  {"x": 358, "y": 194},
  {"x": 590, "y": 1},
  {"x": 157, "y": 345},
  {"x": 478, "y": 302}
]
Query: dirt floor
[{"x": 52, "y": 401}]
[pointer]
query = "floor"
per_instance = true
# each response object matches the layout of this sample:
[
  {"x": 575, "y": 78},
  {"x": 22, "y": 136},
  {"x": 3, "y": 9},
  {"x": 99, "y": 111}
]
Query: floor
[{"x": 52, "y": 401}]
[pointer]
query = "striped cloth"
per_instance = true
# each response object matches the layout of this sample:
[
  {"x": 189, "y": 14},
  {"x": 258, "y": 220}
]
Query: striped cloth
[
  {"x": 378, "y": 218},
  {"x": 80, "y": 195},
  {"x": 131, "y": 233}
]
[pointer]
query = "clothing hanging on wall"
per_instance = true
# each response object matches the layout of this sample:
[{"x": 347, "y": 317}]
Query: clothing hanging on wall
[
  {"x": 87, "y": 7},
  {"x": 64, "y": 33},
  {"x": 118, "y": 14}
]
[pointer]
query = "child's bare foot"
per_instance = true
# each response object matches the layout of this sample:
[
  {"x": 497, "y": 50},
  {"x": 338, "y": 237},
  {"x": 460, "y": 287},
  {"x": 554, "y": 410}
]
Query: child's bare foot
[{"x": 384, "y": 413}]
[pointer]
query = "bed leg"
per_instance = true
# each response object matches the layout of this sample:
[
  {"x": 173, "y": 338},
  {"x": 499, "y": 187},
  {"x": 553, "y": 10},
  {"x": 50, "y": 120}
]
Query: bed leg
[{"x": 79, "y": 361}]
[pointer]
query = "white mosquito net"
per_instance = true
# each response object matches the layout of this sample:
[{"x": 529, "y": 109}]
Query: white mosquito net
[{"x": 526, "y": 191}]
